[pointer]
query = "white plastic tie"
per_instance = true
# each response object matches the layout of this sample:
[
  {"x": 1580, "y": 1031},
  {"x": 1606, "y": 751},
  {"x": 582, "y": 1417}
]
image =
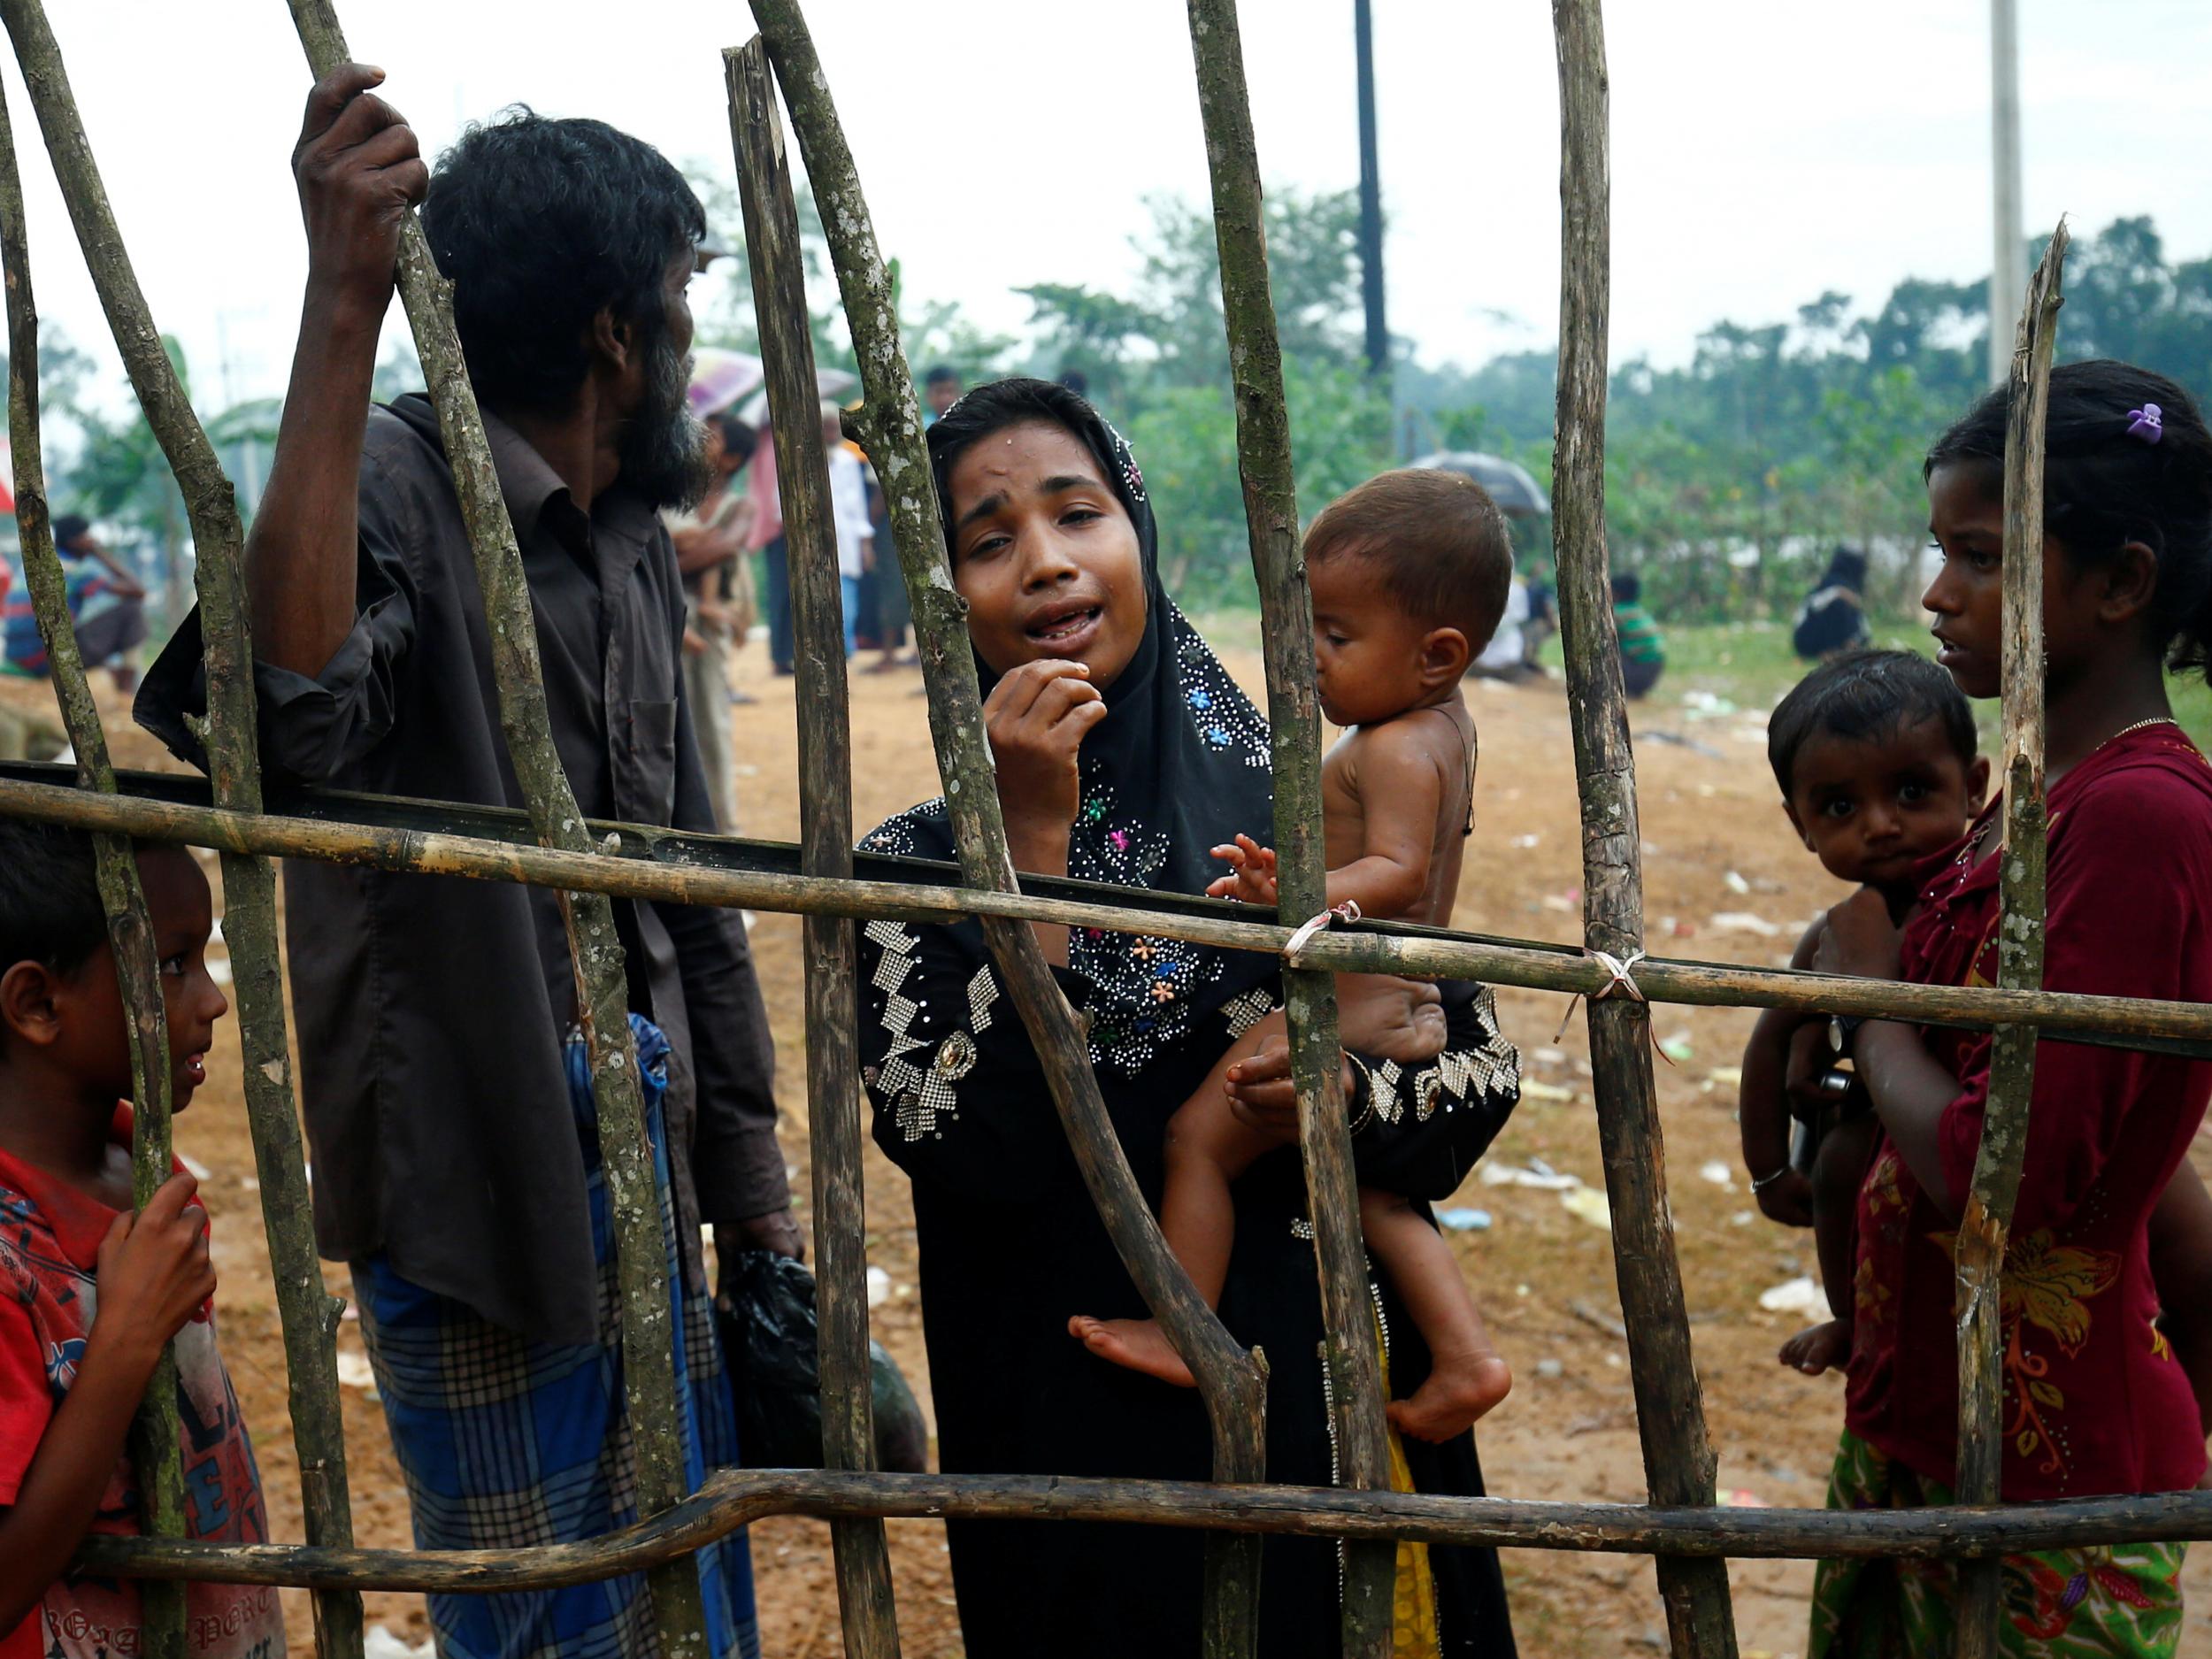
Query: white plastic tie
[
  {"x": 1619, "y": 977},
  {"x": 1348, "y": 911}
]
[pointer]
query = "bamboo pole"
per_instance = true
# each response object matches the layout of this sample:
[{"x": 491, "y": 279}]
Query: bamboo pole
[
  {"x": 870, "y": 1620},
  {"x": 154, "y": 1449},
  {"x": 1669, "y": 1405},
  {"x": 1987, "y": 1221},
  {"x": 889, "y": 427},
  {"x": 677, "y": 869},
  {"x": 602, "y": 1003},
  {"x": 1270, "y": 512},
  {"x": 733, "y": 1498},
  {"x": 307, "y": 1313}
]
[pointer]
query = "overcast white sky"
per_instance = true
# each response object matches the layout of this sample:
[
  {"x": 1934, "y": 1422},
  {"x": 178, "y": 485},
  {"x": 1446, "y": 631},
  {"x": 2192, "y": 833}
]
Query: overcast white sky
[{"x": 1762, "y": 152}]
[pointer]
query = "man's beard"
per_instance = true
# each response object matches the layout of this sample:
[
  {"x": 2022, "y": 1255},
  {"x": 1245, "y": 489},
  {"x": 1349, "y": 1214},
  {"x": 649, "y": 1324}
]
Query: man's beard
[{"x": 664, "y": 451}]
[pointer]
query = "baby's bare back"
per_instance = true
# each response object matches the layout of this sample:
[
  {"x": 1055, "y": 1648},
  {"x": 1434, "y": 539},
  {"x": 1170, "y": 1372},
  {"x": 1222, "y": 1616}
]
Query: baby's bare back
[{"x": 1396, "y": 807}]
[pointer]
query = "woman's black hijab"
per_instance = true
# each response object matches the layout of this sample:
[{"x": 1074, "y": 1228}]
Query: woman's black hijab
[{"x": 1178, "y": 766}]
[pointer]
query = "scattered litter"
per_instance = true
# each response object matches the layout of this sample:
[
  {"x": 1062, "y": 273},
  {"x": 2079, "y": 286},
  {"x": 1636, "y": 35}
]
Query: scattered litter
[
  {"x": 1598, "y": 1320},
  {"x": 1615, "y": 1360},
  {"x": 354, "y": 1371},
  {"x": 1742, "y": 1219},
  {"x": 1558, "y": 1056},
  {"x": 1792, "y": 1295},
  {"x": 193, "y": 1167},
  {"x": 250, "y": 1183},
  {"x": 1677, "y": 1047},
  {"x": 378, "y": 1643},
  {"x": 1743, "y": 922},
  {"x": 1560, "y": 902},
  {"x": 1717, "y": 1173},
  {"x": 1532, "y": 1089},
  {"x": 350, "y": 1312},
  {"x": 1650, "y": 849},
  {"x": 1725, "y": 1076},
  {"x": 1740, "y": 1498},
  {"x": 1524, "y": 841},
  {"x": 1539, "y": 1174},
  {"x": 218, "y": 969},
  {"x": 1736, "y": 883},
  {"x": 1587, "y": 1203},
  {"x": 1690, "y": 743},
  {"x": 1465, "y": 1220},
  {"x": 879, "y": 1286},
  {"x": 1520, "y": 1290},
  {"x": 1550, "y": 1368},
  {"x": 1704, "y": 705}
]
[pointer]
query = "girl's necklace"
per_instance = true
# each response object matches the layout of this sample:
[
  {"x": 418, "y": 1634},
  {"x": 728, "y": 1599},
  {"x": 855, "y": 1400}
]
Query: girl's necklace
[{"x": 1969, "y": 853}]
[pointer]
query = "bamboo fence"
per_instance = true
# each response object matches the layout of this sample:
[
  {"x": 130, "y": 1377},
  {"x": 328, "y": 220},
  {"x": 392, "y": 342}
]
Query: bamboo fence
[{"x": 591, "y": 864}]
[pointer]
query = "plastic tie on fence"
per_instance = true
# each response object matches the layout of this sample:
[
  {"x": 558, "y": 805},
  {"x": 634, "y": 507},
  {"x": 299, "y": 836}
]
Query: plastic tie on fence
[
  {"x": 1348, "y": 911},
  {"x": 1621, "y": 976}
]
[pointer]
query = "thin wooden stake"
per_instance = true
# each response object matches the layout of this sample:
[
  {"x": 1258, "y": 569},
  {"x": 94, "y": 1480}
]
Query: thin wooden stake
[
  {"x": 889, "y": 427},
  {"x": 1669, "y": 1405},
  {"x": 1987, "y": 1221},
  {"x": 733, "y": 1498},
  {"x": 602, "y": 997},
  {"x": 1270, "y": 512},
  {"x": 671, "y": 867},
  {"x": 308, "y": 1314},
  {"x": 826, "y": 832},
  {"x": 154, "y": 1453}
]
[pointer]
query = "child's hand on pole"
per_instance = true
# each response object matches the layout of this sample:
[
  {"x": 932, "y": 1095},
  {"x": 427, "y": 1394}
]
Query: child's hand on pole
[{"x": 154, "y": 1273}]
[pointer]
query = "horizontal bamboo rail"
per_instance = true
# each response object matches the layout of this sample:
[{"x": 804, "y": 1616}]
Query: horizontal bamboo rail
[
  {"x": 733, "y": 1498},
  {"x": 2118, "y": 1021}
]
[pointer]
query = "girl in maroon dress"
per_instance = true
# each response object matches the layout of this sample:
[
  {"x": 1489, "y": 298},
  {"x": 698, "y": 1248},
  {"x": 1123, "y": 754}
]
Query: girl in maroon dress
[{"x": 2094, "y": 1399}]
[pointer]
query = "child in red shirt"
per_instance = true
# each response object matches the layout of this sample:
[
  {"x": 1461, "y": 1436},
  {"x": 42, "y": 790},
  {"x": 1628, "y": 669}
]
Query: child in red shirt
[{"x": 88, "y": 1292}]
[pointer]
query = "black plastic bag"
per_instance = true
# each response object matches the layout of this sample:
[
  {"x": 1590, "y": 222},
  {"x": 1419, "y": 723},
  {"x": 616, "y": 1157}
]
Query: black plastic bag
[{"x": 769, "y": 1345}]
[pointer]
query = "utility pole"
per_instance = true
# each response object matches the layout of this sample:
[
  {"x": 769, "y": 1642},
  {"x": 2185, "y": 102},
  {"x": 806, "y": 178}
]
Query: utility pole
[
  {"x": 2008, "y": 275},
  {"x": 1371, "y": 268}
]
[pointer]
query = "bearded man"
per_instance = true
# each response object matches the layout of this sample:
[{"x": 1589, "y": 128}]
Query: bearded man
[{"x": 457, "y": 1163}]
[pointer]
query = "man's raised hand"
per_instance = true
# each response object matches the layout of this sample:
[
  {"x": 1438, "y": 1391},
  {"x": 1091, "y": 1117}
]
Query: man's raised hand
[{"x": 359, "y": 171}]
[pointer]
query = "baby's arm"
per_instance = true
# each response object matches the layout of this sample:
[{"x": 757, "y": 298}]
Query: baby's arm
[
  {"x": 1402, "y": 773},
  {"x": 154, "y": 1273},
  {"x": 1762, "y": 1105},
  {"x": 2181, "y": 1270}
]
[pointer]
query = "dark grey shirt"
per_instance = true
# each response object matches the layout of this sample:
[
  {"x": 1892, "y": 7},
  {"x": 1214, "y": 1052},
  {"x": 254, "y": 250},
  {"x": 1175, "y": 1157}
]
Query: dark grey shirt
[{"x": 432, "y": 1010}]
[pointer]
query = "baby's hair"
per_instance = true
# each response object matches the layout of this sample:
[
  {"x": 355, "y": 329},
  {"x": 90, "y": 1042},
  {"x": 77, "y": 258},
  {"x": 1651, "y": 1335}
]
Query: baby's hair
[
  {"x": 2127, "y": 458},
  {"x": 1628, "y": 588},
  {"x": 1863, "y": 698},
  {"x": 1442, "y": 546},
  {"x": 49, "y": 899}
]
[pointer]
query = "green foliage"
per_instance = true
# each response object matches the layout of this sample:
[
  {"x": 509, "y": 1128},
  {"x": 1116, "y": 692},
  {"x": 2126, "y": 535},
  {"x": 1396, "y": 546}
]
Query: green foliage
[{"x": 1729, "y": 478}]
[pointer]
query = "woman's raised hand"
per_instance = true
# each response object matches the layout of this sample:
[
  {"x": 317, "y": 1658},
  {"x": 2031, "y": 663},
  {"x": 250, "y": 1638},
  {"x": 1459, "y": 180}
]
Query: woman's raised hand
[{"x": 1037, "y": 718}]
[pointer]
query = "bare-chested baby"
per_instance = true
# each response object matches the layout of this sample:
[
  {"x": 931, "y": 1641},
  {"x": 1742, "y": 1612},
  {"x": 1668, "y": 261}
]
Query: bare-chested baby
[{"x": 1409, "y": 574}]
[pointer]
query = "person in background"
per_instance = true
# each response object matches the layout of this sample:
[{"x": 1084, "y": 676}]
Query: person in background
[
  {"x": 710, "y": 541},
  {"x": 1643, "y": 651},
  {"x": 1543, "y": 618},
  {"x": 1832, "y": 622},
  {"x": 848, "y": 508},
  {"x": 884, "y": 612},
  {"x": 1076, "y": 382},
  {"x": 447, "y": 1092},
  {"x": 767, "y": 539},
  {"x": 941, "y": 390},
  {"x": 107, "y": 604},
  {"x": 1506, "y": 656}
]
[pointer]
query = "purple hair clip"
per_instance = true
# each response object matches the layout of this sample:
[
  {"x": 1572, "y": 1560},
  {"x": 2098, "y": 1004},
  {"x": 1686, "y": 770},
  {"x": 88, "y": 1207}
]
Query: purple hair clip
[{"x": 2147, "y": 423}]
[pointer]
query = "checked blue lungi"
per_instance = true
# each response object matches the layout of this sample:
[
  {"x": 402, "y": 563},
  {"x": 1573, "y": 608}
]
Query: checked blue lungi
[{"x": 506, "y": 1443}]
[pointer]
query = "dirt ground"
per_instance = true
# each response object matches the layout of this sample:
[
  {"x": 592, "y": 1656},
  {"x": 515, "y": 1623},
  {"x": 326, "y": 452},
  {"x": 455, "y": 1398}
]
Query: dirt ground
[{"x": 1723, "y": 880}]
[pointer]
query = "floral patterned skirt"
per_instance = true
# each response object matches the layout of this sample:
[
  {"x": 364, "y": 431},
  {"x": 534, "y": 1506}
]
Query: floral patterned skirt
[{"x": 2123, "y": 1599}]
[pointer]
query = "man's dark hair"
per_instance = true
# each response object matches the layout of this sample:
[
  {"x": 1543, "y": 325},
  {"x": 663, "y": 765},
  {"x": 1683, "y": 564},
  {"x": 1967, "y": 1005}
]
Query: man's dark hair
[
  {"x": 70, "y": 529},
  {"x": 50, "y": 900},
  {"x": 541, "y": 224},
  {"x": 1442, "y": 546},
  {"x": 1863, "y": 698},
  {"x": 1628, "y": 588},
  {"x": 941, "y": 374}
]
